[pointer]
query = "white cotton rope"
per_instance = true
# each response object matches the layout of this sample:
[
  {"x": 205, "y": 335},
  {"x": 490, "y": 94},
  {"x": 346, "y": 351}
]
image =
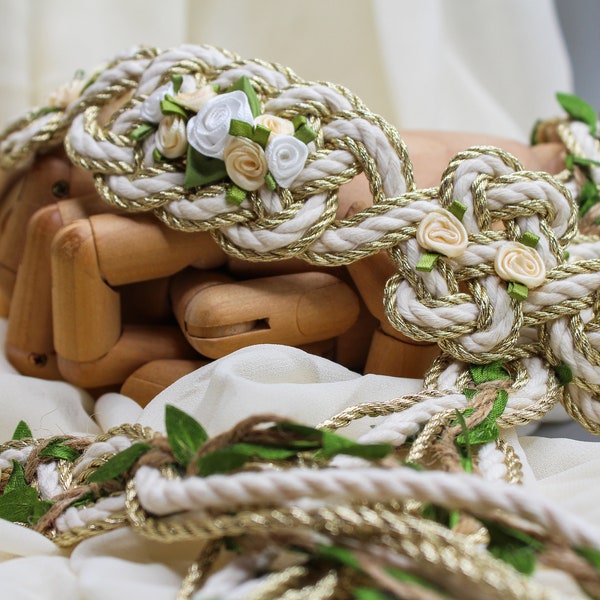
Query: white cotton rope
[
  {"x": 103, "y": 509},
  {"x": 161, "y": 496}
]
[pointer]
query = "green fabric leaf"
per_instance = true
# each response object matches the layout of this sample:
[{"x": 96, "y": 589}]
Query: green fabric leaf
[
  {"x": 592, "y": 555},
  {"x": 458, "y": 209},
  {"x": 487, "y": 430},
  {"x": 530, "y": 239},
  {"x": 584, "y": 162},
  {"x": 168, "y": 106},
  {"x": 588, "y": 197},
  {"x": 45, "y": 110},
  {"x": 17, "y": 478},
  {"x": 223, "y": 460},
  {"x": 564, "y": 374},
  {"x": 339, "y": 555},
  {"x": 464, "y": 443},
  {"x": 270, "y": 181},
  {"x": 56, "y": 449},
  {"x": 22, "y": 431},
  {"x": 235, "y": 456},
  {"x": 364, "y": 593},
  {"x": 334, "y": 444},
  {"x": 521, "y": 558},
  {"x": 513, "y": 546},
  {"x": 184, "y": 434},
  {"x": 578, "y": 109},
  {"x": 241, "y": 128},
  {"x": 517, "y": 291},
  {"x": 427, "y": 261},
  {"x": 22, "y": 505},
  {"x": 177, "y": 80},
  {"x": 265, "y": 452},
  {"x": 201, "y": 170},
  {"x": 235, "y": 194},
  {"x": 243, "y": 84},
  {"x": 142, "y": 132},
  {"x": 119, "y": 463},
  {"x": 261, "y": 135},
  {"x": 305, "y": 134},
  {"x": 488, "y": 372}
]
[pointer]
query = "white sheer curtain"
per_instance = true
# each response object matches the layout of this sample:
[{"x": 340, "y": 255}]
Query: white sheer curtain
[{"x": 490, "y": 66}]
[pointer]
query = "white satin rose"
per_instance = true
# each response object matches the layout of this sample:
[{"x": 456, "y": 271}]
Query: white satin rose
[
  {"x": 171, "y": 139},
  {"x": 245, "y": 163},
  {"x": 197, "y": 98},
  {"x": 517, "y": 262},
  {"x": 440, "y": 231},
  {"x": 277, "y": 125},
  {"x": 208, "y": 131},
  {"x": 286, "y": 157}
]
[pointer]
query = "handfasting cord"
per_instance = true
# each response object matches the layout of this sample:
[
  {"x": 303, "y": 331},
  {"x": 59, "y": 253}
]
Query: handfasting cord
[{"x": 491, "y": 266}]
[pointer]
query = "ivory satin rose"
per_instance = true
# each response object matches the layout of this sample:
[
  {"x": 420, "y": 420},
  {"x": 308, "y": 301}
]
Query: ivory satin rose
[
  {"x": 517, "y": 262},
  {"x": 440, "y": 231},
  {"x": 286, "y": 157},
  {"x": 208, "y": 131},
  {"x": 171, "y": 138},
  {"x": 196, "y": 99},
  {"x": 276, "y": 125},
  {"x": 246, "y": 163},
  {"x": 66, "y": 94}
]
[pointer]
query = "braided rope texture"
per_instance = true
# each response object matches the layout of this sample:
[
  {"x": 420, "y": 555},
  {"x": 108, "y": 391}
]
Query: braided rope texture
[{"x": 463, "y": 302}]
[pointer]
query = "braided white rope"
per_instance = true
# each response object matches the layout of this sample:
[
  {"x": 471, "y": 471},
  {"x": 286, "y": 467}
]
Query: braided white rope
[
  {"x": 19, "y": 454},
  {"x": 162, "y": 496},
  {"x": 490, "y": 461},
  {"x": 75, "y": 517}
]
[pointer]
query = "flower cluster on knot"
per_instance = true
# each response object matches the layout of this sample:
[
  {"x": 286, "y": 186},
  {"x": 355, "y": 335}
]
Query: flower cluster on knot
[{"x": 224, "y": 136}]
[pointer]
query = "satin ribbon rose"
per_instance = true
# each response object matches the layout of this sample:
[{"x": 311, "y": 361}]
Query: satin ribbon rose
[
  {"x": 517, "y": 262},
  {"x": 171, "y": 139},
  {"x": 277, "y": 125},
  {"x": 208, "y": 131},
  {"x": 245, "y": 163},
  {"x": 196, "y": 99},
  {"x": 440, "y": 231},
  {"x": 66, "y": 94},
  {"x": 286, "y": 157}
]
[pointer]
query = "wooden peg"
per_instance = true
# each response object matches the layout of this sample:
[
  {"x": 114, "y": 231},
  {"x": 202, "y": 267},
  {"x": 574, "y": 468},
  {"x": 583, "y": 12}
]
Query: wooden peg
[
  {"x": 286, "y": 309},
  {"x": 138, "y": 248},
  {"x": 29, "y": 338},
  {"x": 153, "y": 377},
  {"x": 51, "y": 177},
  {"x": 136, "y": 346},
  {"x": 92, "y": 259}
]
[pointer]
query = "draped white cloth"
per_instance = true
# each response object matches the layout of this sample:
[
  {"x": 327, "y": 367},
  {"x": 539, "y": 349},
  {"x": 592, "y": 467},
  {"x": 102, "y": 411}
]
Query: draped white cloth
[
  {"x": 486, "y": 67},
  {"x": 257, "y": 379}
]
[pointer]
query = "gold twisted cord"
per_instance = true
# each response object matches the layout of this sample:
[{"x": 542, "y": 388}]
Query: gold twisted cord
[{"x": 199, "y": 569}]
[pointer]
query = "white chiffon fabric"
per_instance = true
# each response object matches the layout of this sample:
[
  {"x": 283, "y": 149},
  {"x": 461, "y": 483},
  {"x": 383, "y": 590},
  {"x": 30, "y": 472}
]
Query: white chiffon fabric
[
  {"x": 258, "y": 379},
  {"x": 466, "y": 65}
]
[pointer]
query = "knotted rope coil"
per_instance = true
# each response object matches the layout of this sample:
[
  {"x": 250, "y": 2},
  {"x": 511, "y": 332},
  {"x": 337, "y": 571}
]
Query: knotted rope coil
[{"x": 490, "y": 266}]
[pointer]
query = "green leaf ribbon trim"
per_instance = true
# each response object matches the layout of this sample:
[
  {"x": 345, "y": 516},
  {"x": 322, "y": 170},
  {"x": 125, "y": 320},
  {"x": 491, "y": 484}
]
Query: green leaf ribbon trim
[
  {"x": 235, "y": 194},
  {"x": 56, "y": 449},
  {"x": 427, "y": 261},
  {"x": 184, "y": 434},
  {"x": 168, "y": 106},
  {"x": 201, "y": 170},
  {"x": 22, "y": 431},
  {"x": 142, "y": 132},
  {"x": 530, "y": 239},
  {"x": 458, "y": 209},
  {"x": 578, "y": 109},
  {"x": 243, "y": 84},
  {"x": 119, "y": 463},
  {"x": 517, "y": 290}
]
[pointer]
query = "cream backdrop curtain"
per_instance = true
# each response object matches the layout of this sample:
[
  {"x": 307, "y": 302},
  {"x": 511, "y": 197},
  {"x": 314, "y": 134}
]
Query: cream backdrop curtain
[{"x": 489, "y": 66}]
